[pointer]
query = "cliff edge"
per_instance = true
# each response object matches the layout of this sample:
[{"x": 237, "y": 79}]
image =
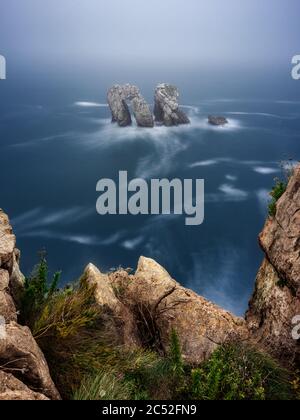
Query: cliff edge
[{"x": 145, "y": 307}]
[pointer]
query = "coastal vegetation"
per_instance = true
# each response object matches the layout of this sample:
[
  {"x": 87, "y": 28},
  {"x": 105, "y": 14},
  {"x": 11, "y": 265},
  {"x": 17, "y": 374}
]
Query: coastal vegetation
[
  {"x": 87, "y": 363},
  {"x": 287, "y": 169}
]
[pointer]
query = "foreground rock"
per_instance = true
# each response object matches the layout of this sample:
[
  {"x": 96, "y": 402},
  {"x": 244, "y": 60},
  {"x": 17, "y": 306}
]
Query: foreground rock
[
  {"x": 11, "y": 389},
  {"x": 280, "y": 238},
  {"x": 118, "y": 317},
  {"x": 117, "y": 99},
  {"x": 217, "y": 121},
  {"x": 19, "y": 353},
  {"x": 276, "y": 300},
  {"x": 158, "y": 304},
  {"x": 166, "y": 106}
]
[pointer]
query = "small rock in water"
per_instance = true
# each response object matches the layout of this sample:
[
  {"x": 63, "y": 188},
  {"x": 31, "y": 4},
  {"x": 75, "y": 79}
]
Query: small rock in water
[{"x": 213, "y": 120}]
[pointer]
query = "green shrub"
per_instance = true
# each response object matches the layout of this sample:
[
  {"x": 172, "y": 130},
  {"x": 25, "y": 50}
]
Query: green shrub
[
  {"x": 37, "y": 290},
  {"x": 80, "y": 343},
  {"x": 287, "y": 169},
  {"x": 240, "y": 372},
  {"x": 277, "y": 191}
]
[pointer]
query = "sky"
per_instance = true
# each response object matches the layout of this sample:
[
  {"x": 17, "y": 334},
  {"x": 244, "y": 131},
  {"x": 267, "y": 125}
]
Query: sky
[{"x": 180, "y": 33}]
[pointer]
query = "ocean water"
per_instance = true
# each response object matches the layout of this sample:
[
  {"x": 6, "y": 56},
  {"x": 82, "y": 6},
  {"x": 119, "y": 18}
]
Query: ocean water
[{"x": 56, "y": 142}]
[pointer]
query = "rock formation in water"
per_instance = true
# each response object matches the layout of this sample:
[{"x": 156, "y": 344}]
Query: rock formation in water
[
  {"x": 117, "y": 99},
  {"x": 143, "y": 308},
  {"x": 166, "y": 109},
  {"x": 218, "y": 121},
  {"x": 166, "y": 106},
  {"x": 19, "y": 353}
]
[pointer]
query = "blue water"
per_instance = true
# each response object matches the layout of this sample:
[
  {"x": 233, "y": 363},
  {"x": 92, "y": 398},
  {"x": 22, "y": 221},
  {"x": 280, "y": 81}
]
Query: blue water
[{"x": 54, "y": 150}]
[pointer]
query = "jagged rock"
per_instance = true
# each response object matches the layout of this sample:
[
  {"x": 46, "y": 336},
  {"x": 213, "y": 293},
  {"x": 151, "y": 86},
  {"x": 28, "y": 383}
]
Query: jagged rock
[
  {"x": 7, "y": 305},
  {"x": 19, "y": 353},
  {"x": 7, "y": 240},
  {"x": 276, "y": 300},
  {"x": 117, "y": 99},
  {"x": 166, "y": 107},
  {"x": 280, "y": 238},
  {"x": 161, "y": 304},
  {"x": 270, "y": 315},
  {"x": 218, "y": 121},
  {"x": 12, "y": 389},
  {"x": 118, "y": 317}
]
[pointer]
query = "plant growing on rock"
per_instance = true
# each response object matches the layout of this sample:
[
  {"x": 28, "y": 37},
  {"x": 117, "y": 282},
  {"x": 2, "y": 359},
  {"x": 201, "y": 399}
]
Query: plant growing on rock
[{"x": 287, "y": 168}]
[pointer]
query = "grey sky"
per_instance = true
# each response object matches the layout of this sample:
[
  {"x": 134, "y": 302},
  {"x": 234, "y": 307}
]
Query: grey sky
[{"x": 186, "y": 32}]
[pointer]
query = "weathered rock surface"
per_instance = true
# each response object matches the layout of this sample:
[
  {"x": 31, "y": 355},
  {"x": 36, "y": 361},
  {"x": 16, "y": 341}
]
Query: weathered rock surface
[
  {"x": 218, "y": 121},
  {"x": 276, "y": 300},
  {"x": 143, "y": 308},
  {"x": 118, "y": 316},
  {"x": 7, "y": 240},
  {"x": 117, "y": 99},
  {"x": 159, "y": 304},
  {"x": 280, "y": 238},
  {"x": 12, "y": 389},
  {"x": 270, "y": 315},
  {"x": 166, "y": 107},
  {"x": 19, "y": 353}
]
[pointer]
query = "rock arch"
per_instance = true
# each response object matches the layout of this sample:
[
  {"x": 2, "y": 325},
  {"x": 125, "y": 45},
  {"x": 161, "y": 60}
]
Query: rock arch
[
  {"x": 166, "y": 108},
  {"x": 117, "y": 99}
]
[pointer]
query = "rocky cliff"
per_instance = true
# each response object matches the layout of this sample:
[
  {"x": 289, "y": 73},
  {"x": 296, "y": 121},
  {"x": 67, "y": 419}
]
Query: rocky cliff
[
  {"x": 143, "y": 308},
  {"x": 24, "y": 373},
  {"x": 276, "y": 300}
]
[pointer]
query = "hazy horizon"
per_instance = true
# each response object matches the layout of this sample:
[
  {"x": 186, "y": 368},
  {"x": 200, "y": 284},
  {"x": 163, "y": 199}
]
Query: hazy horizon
[{"x": 173, "y": 32}]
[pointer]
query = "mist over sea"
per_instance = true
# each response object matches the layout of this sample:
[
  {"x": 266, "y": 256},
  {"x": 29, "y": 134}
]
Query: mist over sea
[{"x": 56, "y": 142}]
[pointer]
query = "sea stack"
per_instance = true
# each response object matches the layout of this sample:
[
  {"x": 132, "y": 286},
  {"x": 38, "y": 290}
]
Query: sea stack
[
  {"x": 118, "y": 96},
  {"x": 166, "y": 107}
]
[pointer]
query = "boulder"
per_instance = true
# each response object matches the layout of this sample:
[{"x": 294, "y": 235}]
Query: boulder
[
  {"x": 160, "y": 305},
  {"x": 218, "y": 121},
  {"x": 166, "y": 107},
  {"x": 117, "y": 316}
]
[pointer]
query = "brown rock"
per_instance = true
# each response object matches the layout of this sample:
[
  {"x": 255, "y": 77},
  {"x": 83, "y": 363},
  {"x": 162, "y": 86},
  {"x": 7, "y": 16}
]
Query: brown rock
[
  {"x": 7, "y": 239},
  {"x": 12, "y": 389},
  {"x": 117, "y": 315},
  {"x": 160, "y": 304},
  {"x": 280, "y": 238},
  {"x": 276, "y": 300},
  {"x": 270, "y": 314},
  {"x": 19, "y": 352}
]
